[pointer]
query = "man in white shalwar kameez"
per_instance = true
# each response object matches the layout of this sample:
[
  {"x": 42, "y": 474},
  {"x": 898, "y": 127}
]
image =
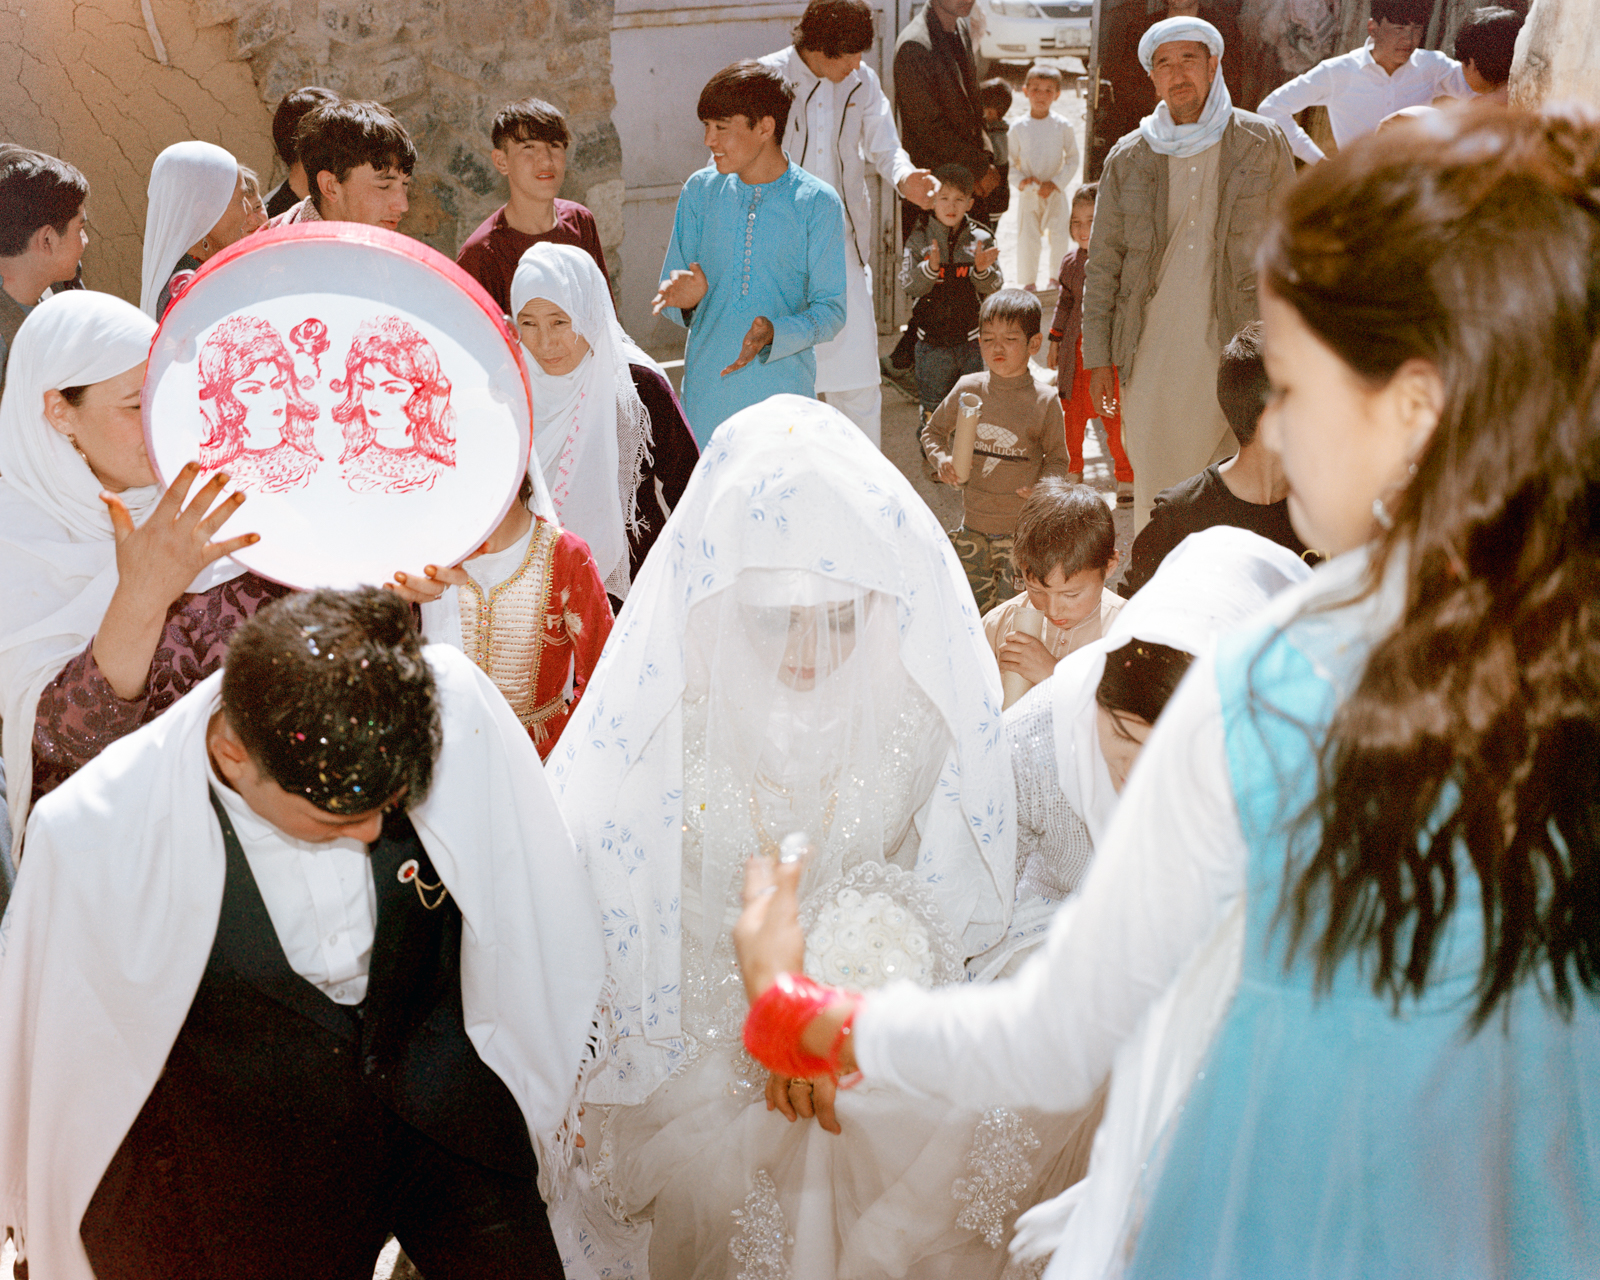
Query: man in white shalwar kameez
[
  {"x": 305, "y": 961},
  {"x": 1171, "y": 272},
  {"x": 842, "y": 122}
]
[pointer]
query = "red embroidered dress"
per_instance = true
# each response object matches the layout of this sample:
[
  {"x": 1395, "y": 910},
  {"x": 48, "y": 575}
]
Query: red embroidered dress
[{"x": 538, "y": 633}]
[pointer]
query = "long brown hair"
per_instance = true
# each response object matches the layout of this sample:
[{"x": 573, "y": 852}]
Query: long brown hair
[{"x": 1471, "y": 241}]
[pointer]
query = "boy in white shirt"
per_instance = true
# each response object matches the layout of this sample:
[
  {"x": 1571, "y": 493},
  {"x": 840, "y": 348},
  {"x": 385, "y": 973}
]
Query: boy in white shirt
[
  {"x": 1363, "y": 86},
  {"x": 1044, "y": 157}
]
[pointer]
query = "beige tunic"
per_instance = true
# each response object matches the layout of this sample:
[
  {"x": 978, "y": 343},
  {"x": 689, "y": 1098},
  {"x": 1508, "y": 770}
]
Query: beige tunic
[
  {"x": 997, "y": 624},
  {"x": 1172, "y": 424}
]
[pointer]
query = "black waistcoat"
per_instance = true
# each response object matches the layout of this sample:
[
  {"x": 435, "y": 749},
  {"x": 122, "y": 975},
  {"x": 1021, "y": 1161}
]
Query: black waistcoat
[{"x": 275, "y": 1098}]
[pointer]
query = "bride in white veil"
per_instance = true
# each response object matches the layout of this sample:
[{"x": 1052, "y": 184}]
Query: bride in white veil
[{"x": 800, "y": 653}]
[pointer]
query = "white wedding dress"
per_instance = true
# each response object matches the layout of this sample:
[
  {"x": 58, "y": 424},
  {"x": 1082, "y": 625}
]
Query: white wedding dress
[{"x": 804, "y": 658}]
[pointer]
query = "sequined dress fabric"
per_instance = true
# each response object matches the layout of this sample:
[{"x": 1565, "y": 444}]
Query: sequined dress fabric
[
  {"x": 1053, "y": 845},
  {"x": 733, "y": 1190}
]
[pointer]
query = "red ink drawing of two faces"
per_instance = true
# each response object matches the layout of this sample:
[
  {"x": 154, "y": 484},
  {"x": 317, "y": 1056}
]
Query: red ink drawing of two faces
[{"x": 395, "y": 416}]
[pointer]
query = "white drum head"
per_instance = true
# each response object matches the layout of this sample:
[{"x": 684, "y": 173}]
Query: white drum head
[{"x": 361, "y": 389}]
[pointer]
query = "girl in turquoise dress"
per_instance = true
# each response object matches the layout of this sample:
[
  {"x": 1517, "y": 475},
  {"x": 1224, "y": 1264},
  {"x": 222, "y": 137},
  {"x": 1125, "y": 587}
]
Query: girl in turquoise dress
[{"x": 1342, "y": 945}]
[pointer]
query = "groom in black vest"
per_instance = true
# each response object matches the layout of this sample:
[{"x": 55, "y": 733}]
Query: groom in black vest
[{"x": 322, "y": 1091}]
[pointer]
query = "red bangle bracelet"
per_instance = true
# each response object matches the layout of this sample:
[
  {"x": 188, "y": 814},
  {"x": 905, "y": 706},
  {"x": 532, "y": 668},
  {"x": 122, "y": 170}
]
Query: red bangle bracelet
[{"x": 776, "y": 1021}]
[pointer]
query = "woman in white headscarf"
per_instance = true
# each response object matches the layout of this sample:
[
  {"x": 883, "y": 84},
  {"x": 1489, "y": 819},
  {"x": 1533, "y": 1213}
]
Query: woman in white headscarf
[
  {"x": 800, "y": 654},
  {"x": 1075, "y": 737},
  {"x": 607, "y": 428},
  {"x": 115, "y": 600},
  {"x": 197, "y": 208}
]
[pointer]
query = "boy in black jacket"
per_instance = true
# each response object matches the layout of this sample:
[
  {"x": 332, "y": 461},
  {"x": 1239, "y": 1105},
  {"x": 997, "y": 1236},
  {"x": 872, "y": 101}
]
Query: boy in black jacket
[{"x": 950, "y": 265}]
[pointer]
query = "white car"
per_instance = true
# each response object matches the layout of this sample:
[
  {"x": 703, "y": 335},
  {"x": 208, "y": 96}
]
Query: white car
[{"x": 1022, "y": 30}]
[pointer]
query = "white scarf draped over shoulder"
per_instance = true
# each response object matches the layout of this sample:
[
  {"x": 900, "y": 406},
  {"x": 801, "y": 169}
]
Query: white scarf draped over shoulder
[
  {"x": 108, "y": 935},
  {"x": 58, "y": 558},
  {"x": 1208, "y": 584},
  {"x": 591, "y": 432},
  {"x": 1165, "y": 136},
  {"x": 191, "y": 186},
  {"x": 58, "y": 561},
  {"x": 790, "y": 485}
]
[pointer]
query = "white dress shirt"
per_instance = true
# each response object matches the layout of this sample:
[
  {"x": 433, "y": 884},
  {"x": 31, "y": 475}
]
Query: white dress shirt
[
  {"x": 1359, "y": 93},
  {"x": 320, "y": 898},
  {"x": 836, "y": 131},
  {"x": 1044, "y": 148}
]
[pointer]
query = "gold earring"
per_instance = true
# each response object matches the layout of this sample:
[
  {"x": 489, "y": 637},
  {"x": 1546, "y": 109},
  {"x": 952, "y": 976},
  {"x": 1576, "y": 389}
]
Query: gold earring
[{"x": 73, "y": 440}]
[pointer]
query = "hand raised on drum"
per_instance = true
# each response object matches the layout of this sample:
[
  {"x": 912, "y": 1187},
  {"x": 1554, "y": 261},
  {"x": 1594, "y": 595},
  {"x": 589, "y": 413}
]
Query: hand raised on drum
[
  {"x": 156, "y": 562},
  {"x": 427, "y": 586}
]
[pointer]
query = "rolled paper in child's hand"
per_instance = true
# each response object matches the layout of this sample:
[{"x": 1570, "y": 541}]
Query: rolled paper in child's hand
[
  {"x": 966, "y": 435},
  {"x": 1013, "y": 684}
]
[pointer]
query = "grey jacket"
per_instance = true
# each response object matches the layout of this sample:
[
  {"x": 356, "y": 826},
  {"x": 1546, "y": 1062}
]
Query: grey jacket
[{"x": 1130, "y": 235}]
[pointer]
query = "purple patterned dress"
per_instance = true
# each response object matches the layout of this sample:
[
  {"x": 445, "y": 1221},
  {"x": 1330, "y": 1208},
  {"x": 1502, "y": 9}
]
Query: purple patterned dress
[{"x": 79, "y": 713}]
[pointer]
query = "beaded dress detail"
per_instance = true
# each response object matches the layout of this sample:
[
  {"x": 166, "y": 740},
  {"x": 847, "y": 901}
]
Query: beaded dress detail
[
  {"x": 714, "y": 1004},
  {"x": 799, "y": 655}
]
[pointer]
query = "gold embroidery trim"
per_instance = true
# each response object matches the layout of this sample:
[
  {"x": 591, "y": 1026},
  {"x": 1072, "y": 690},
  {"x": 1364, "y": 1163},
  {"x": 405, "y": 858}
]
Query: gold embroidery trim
[{"x": 505, "y": 633}]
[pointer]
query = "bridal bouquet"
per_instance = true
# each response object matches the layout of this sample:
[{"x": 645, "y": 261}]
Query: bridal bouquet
[{"x": 873, "y": 925}]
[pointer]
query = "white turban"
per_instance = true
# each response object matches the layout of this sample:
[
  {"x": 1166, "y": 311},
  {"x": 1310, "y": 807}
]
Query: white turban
[
  {"x": 191, "y": 186},
  {"x": 1165, "y": 136},
  {"x": 1170, "y": 29}
]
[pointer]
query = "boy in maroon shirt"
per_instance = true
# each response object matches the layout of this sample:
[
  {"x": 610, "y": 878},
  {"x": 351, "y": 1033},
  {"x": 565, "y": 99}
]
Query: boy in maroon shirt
[{"x": 530, "y": 149}]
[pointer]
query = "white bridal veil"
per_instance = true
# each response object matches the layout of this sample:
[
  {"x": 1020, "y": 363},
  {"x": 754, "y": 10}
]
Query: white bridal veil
[{"x": 802, "y": 651}]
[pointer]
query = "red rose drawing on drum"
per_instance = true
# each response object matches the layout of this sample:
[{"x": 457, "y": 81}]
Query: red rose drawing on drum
[
  {"x": 396, "y": 416},
  {"x": 310, "y": 338},
  {"x": 261, "y": 426}
]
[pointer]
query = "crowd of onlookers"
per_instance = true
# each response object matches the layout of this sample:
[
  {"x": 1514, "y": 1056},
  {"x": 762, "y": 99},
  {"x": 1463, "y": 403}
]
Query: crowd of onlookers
[{"x": 318, "y": 935}]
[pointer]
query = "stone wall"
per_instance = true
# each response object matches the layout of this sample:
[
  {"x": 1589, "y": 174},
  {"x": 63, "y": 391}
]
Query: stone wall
[{"x": 88, "y": 83}]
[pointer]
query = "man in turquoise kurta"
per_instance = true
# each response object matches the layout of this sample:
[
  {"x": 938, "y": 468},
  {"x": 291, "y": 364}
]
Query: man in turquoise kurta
[{"x": 756, "y": 267}]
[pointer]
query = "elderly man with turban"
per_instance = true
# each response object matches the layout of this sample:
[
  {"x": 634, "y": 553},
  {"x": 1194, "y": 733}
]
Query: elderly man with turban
[{"x": 1171, "y": 273}]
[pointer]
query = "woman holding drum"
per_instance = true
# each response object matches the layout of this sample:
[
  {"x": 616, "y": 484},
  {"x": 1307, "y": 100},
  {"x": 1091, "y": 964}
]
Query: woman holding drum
[{"x": 117, "y": 601}]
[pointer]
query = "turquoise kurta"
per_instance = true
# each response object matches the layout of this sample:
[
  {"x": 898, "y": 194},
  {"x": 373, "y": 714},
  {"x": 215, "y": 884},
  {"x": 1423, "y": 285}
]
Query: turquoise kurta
[
  {"x": 1329, "y": 1137},
  {"x": 773, "y": 249}
]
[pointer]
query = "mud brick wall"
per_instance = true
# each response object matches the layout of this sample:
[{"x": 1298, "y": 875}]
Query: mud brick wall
[{"x": 107, "y": 84}]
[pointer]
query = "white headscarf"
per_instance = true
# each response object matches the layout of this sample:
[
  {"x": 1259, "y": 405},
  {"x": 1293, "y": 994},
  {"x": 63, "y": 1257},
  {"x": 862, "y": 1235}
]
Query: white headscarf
[
  {"x": 58, "y": 560},
  {"x": 191, "y": 186},
  {"x": 591, "y": 432},
  {"x": 786, "y": 485},
  {"x": 1164, "y": 135},
  {"x": 1208, "y": 584}
]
